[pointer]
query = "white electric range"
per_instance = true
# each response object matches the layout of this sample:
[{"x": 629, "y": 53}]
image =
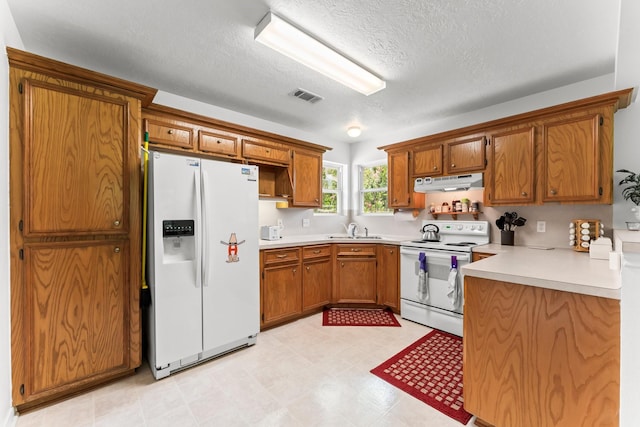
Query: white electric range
[{"x": 439, "y": 305}]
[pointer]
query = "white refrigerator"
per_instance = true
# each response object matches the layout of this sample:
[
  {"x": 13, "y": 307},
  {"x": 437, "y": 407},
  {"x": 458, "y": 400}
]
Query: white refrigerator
[{"x": 203, "y": 260}]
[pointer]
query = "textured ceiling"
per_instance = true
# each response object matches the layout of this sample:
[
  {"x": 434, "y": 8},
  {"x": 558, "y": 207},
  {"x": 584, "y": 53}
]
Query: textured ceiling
[{"x": 439, "y": 57}]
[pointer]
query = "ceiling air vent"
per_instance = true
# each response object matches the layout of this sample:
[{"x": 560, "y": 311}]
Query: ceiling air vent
[{"x": 305, "y": 95}]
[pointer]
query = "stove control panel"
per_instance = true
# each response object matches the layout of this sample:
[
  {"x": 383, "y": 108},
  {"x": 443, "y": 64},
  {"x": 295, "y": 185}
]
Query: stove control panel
[{"x": 461, "y": 227}]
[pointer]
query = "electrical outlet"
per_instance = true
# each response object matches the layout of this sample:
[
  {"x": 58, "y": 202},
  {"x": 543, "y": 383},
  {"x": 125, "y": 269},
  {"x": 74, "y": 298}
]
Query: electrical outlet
[
  {"x": 279, "y": 223},
  {"x": 542, "y": 226},
  {"x": 306, "y": 222}
]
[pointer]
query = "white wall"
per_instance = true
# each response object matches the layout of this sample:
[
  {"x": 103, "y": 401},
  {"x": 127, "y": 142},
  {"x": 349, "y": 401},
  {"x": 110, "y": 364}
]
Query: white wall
[
  {"x": 8, "y": 36},
  {"x": 557, "y": 217},
  {"x": 627, "y": 156}
]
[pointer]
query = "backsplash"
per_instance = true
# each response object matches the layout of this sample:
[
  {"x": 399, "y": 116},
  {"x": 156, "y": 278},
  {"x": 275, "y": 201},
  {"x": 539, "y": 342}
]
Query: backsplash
[{"x": 556, "y": 216}]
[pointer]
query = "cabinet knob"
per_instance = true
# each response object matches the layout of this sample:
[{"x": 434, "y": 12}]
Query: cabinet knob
[
  {"x": 116, "y": 223},
  {"x": 391, "y": 251},
  {"x": 453, "y": 165},
  {"x": 355, "y": 249},
  {"x": 218, "y": 141},
  {"x": 342, "y": 264},
  {"x": 523, "y": 194},
  {"x": 435, "y": 168},
  {"x": 170, "y": 131},
  {"x": 317, "y": 251},
  {"x": 307, "y": 267},
  {"x": 267, "y": 151},
  {"x": 295, "y": 270},
  {"x": 553, "y": 192},
  {"x": 116, "y": 250},
  {"x": 282, "y": 256},
  {"x": 395, "y": 200}
]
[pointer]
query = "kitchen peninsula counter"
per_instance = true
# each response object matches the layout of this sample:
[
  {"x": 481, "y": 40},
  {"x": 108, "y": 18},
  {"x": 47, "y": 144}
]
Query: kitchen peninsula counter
[{"x": 556, "y": 269}]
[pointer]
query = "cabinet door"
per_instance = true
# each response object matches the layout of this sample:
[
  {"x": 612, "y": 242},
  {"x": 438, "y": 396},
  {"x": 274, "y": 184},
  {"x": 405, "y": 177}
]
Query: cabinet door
[
  {"x": 76, "y": 166},
  {"x": 388, "y": 277},
  {"x": 282, "y": 293},
  {"x": 306, "y": 171},
  {"x": 218, "y": 142},
  {"x": 76, "y": 314},
  {"x": 266, "y": 151},
  {"x": 466, "y": 155},
  {"x": 399, "y": 183},
  {"x": 356, "y": 279},
  {"x": 427, "y": 161},
  {"x": 316, "y": 283},
  {"x": 511, "y": 174},
  {"x": 571, "y": 160},
  {"x": 170, "y": 133}
]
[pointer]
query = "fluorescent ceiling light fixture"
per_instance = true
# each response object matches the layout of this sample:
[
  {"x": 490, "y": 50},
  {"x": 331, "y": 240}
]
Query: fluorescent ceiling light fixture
[
  {"x": 283, "y": 37},
  {"x": 354, "y": 131}
]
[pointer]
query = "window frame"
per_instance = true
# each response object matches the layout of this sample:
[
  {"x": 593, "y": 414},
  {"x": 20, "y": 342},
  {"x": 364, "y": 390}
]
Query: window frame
[
  {"x": 362, "y": 191},
  {"x": 339, "y": 191}
]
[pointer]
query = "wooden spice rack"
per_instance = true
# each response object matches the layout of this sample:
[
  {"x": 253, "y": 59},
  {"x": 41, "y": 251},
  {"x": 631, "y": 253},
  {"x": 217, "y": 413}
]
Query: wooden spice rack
[{"x": 454, "y": 215}]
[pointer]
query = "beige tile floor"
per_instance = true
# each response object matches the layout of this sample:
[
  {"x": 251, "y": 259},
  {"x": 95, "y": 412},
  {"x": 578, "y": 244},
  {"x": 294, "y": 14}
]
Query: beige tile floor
[{"x": 299, "y": 374}]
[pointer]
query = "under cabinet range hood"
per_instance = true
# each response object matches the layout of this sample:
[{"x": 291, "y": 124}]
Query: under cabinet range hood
[{"x": 447, "y": 183}]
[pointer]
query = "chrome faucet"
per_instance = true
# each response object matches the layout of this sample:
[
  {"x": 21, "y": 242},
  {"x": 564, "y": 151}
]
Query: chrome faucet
[
  {"x": 352, "y": 229},
  {"x": 366, "y": 232}
]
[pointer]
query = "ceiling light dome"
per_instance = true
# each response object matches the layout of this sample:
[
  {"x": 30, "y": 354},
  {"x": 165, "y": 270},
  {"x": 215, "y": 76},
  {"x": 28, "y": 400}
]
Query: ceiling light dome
[{"x": 354, "y": 131}]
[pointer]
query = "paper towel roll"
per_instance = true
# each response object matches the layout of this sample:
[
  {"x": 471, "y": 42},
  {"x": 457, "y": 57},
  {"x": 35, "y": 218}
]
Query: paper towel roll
[
  {"x": 614, "y": 260},
  {"x": 404, "y": 216}
]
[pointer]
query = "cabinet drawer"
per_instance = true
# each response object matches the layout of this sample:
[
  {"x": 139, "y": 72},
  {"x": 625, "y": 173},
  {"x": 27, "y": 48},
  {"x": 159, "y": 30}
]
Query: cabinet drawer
[
  {"x": 316, "y": 251},
  {"x": 169, "y": 133},
  {"x": 357, "y": 250},
  {"x": 218, "y": 142},
  {"x": 275, "y": 256},
  {"x": 269, "y": 153}
]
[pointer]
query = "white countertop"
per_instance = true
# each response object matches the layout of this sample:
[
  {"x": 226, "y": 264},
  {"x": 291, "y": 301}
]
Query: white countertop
[
  {"x": 558, "y": 269},
  {"x": 323, "y": 239}
]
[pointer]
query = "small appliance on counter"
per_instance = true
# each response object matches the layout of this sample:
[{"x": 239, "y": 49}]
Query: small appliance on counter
[
  {"x": 582, "y": 232},
  {"x": 270, "y": 232}
]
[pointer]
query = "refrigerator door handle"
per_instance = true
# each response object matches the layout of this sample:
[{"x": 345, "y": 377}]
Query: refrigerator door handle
[
  {"x": 205, "y": 227},
  {"x": 198, "y": 234}
]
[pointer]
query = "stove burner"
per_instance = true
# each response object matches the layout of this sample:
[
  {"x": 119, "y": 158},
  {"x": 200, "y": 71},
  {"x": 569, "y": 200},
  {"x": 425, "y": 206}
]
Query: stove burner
[{"x": 461, "y": 244}]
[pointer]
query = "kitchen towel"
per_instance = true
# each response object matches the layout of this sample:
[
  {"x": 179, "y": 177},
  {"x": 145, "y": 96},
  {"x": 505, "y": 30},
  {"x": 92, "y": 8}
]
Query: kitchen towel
[{"x": 423, "y": 278}]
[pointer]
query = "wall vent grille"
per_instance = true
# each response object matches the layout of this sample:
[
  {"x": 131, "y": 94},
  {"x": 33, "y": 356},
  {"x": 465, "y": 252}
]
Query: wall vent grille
[{"x": 305, "y": 95}]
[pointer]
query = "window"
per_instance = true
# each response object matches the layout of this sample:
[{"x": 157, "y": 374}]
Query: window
[
  {"x": 331, "y": 188},
  {"x": 373, "y": 189}
]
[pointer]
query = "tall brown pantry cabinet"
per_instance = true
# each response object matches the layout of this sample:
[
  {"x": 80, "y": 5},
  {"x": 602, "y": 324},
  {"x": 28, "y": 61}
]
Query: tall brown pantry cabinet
[{"x": 75, "y": 225}]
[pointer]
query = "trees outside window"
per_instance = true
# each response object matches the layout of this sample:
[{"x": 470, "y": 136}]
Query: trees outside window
[{"x": 373, "y": 189}]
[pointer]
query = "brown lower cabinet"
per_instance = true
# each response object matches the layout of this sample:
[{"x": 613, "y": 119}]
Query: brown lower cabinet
[
  {"x": 540, "y": 357},
  {"x": 297, "y": 281}
]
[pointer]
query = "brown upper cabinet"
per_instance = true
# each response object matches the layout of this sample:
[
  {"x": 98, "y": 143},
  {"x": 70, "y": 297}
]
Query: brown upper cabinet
[
  {"x": 571, "y": 159},
  {"x": 400, "y": 182},
  {"x": 169, "y": 133},
  {"x": 306, "y": 173},
  {"x": 557, "y": 154},
  {"x": 511, "y": 179},
  {"x": 427, "y": 160},
  {"x": 465, "y": 155},
  {"x": 289, "y": 168},
  {"x": 266, "y": 151}
]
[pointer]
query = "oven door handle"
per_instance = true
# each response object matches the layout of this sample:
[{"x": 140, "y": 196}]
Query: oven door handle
[{"x": 433, "y": 254}]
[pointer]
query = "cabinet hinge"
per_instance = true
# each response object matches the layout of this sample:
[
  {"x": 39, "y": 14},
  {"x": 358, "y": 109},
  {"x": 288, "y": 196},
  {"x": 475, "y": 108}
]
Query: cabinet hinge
[
  {"x": 20, "y": 91},
  {"x": 600, "y": 191},
  {"x": 263, "y": 275},
  {"x": 486, "y": 162},
  {"x": 409, "y": 155},
  {"x": 22, "y": 389},
  {"x": 263, "y": 317},
  {"x": 486, "y": 141},
  {"x": 601, "y": 121},
  {"x": 20, "y": 225},
  {"x": 21, "y": 253}
]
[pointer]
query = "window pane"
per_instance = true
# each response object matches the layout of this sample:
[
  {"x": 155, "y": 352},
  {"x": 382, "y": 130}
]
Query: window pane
[
  {"x": 329, "y": 178},
  {"x": 374, "y": 177},
  {"x": 329, "y": 203},
  {"x": 375, "y": 202}
]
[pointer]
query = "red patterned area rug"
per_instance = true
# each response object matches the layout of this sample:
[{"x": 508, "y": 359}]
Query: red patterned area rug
[
  {"x": 430, "y": 370},
  {"x": 358, "y": 317}
]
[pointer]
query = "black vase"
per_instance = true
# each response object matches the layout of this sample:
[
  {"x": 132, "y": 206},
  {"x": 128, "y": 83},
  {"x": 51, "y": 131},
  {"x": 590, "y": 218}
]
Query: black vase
[{"x": 506, "y": 237}]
